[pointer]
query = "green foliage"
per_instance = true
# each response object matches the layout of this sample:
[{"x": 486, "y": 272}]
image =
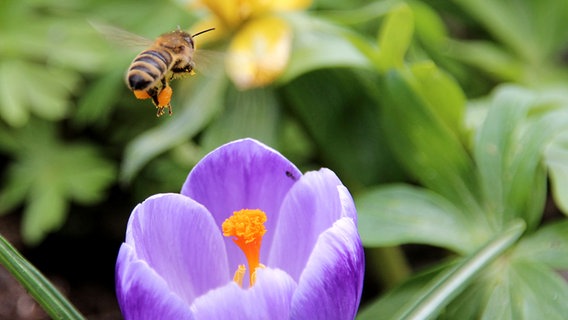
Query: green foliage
[
  {"x": 446, "y": 120},
  {"x": 530, "y": 38},
  {"x": 47, "y": 175},
  {"x": 481, "y": 188}
]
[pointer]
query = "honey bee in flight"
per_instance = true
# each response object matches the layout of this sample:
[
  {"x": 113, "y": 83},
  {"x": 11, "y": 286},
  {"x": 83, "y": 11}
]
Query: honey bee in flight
[{"x": 170, "y": 56}]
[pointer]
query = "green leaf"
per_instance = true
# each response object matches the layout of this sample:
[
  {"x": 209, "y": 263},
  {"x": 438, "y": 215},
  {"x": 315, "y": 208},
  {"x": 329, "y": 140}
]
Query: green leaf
[
  {"x": 395, "y": 37},
  {"x": 46, "y": 211},
  {"x": 523, "y": 291},
  {"x": 95, "y": 106},
  {"x": 198, "y": 107},
  {"x": 48, "y": 175},
  {"x": 430, "y": 149},
  {"x": 540, "y": 291},
  {"x": 444, "y": 96},
  {"x": 338, "y": 110},
  {"x": 356, "y": 15},
  {"x": 393, "y": 301},
  {"x": 509, "y": 151},
  {"x": 451, "y": 283},
  {"x": 319, "y": 44},
  {"x": 31, "y": 87},
  {"x": 402, "y": 214},
  {"x": 13, "y": 103},
  {"x": 253, "y": 113},
  {"x": 548, "y": 246},
  {"x": 488, "y": 57},
  {"x": 556, "y": 158},
  {"x": 50, "y": 299},
  {"x": 429, "y": 26},
  {"x": 533, "y": 29}
]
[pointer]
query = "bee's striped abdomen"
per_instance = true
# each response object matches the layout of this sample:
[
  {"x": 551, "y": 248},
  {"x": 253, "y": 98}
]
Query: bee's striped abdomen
[{"x": 147, "y": 68}]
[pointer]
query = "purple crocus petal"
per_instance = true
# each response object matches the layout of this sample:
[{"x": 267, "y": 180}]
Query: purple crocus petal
[
  {"x": 179, "y": 240},
  {"x": 311, "y": 207},
  {"x": 244, "y": 174},
  {"x": 330, "y": 286},
  {"x": 269, "y": 298},
  {"x": 143, "y": 294}
]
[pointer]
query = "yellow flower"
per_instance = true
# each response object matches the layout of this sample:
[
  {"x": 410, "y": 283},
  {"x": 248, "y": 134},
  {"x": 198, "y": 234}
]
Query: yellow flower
[{"x": 261, "y": 41}]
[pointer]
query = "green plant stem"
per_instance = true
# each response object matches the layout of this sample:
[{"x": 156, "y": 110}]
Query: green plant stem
[{"x": 51, "y": 300}]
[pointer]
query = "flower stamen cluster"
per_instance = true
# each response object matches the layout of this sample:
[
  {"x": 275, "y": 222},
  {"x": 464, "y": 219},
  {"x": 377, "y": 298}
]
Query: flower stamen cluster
[{"x": 247, "y": 228}]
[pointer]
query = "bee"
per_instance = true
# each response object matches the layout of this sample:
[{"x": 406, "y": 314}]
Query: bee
[{"x": 170, "y": 56}]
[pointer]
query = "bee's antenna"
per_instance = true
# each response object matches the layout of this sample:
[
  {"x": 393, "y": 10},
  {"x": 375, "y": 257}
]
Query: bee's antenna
[{"x": 200, "y": 32}]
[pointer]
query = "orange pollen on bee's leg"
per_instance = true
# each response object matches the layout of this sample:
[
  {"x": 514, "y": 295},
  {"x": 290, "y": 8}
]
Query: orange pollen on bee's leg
[
  {"x": 165, "y": 96},
  {"x": 247, "y": 228},
  {"x": 140, "y": 94}
]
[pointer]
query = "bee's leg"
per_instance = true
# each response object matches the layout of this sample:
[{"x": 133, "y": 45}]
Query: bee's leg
[
  {"x": 140, "y": 94},
  {"x": 153, "y": 93},
  {"x": 164, "y": 99}
]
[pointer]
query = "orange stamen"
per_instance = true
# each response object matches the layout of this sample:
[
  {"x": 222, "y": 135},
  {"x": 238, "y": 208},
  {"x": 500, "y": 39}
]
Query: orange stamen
[
  {"x": 239, "y": 275},
  {"x": 247, "y": 228}
]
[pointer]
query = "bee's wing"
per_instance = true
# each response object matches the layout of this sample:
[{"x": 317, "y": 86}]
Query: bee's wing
[
  {"x": 208, "y": 62},
  {"x": 120, "y": 36}
]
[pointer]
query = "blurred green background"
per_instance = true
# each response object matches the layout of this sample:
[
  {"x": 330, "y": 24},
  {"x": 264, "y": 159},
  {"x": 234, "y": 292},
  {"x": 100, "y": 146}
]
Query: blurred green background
[{"x": 447, "y": 121}]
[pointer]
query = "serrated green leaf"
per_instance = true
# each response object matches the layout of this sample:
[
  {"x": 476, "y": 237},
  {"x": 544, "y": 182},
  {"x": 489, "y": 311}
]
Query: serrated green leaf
[
  {"x": 96, "y": 104},
  {"x": 17, "y": 184},
  {"x": 45, "y": 212},
  {"x": 395, "y": 37},
  {"x": 402, "y": 214},
  {"x": 30, "y": 87},
  {"x": 429, "y": 149},
  {"x": 252, "y": 113},
  {"x": 48, "y": 175},
  {"x": 49, "y": 90},
  {"x": 13, "y": 103},
  {"x": 88, "y": 174},
  {"x": 199, "y": 106}
]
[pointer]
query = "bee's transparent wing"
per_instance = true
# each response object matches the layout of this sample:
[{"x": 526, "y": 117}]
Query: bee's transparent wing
[
  {"x": 208, "y": 62},
  {"x": 120, "y": 36}
]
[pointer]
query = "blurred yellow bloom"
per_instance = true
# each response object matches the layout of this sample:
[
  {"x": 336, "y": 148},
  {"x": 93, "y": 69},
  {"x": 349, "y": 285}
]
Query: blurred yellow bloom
[
  {"x": 259, "y": 52},
  {"x": 261, "y": 42}
]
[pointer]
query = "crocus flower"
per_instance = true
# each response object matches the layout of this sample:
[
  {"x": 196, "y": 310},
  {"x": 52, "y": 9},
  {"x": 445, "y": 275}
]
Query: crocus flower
[
  {"x": 249, "y": 237},
  {"x": 261, "y": 41}
]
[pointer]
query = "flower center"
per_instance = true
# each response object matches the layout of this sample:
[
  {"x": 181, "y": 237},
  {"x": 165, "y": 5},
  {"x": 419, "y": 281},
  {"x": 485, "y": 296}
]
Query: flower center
[{"x": 247, "y": 228}]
